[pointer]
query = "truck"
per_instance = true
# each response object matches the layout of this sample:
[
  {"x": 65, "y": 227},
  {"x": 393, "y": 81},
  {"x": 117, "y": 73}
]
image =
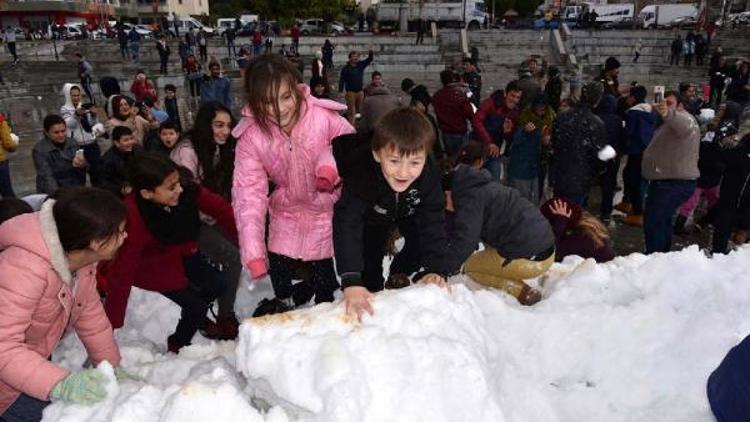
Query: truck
[
  {"x": 470, "y": 14},
  {"x": 606, "y": 12},
  {"x": 660, "y": 15}
]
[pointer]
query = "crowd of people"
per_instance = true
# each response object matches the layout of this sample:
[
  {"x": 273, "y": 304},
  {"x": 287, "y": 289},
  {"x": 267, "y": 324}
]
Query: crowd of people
[{"x": 314, "y": 194}]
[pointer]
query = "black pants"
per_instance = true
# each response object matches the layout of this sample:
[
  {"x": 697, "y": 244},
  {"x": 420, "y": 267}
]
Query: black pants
[
  {"x": 93, "y": 155},
  {"x": 407, "y": 261},
  {"x": 420, "y": 37},
  {"x": 163, "y": 64},
  {"x": 24, "y": 409},
  {"x": 631, "y": 176},
  {"x": 86, "y": 84},
  {"x": 12, "y": 50},
  {"x": 203, "y": 52},
  {"x": 206, "y": 283},
  {"x": 609, "y": 184},
  {"x": 195, "y": 87},
  {"x": 281, "y": 269}
]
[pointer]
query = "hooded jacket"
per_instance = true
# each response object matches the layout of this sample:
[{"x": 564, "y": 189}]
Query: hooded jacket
[
  {"x": 377, "y": 103},
  {"x": 39, "y": 300},
  {"x": 577, "y": 137},
  {"x": 497, "y": 216},
  {"x": 453, "y": 109},
  {"x": 300, "y": 224},
  {"x": 73, "y": 121},
  {"x": 368, "y": 200},
  {"x": 489, "y": 119},
  {"x": 640, "y": 123},
  {"x": 673, "y": 153}
]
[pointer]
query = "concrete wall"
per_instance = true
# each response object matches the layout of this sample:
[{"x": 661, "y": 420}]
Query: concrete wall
[{"x": 188, "y": 7}]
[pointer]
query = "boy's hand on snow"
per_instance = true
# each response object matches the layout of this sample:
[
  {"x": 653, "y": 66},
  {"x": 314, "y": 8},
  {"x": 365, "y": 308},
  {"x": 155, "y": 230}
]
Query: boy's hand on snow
[
  {"x": 435, "y": 279},
  {"x": 357, "y": 301},
  {"x": 85, "y": 387},
  {"x": 326, "y": 179}
]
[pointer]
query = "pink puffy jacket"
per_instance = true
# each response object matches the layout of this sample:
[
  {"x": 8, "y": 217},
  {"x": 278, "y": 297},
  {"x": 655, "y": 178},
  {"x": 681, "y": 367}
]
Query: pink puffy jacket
[
  {"x": 301, "y": 216},
  {"x": 38, "y": 302}
]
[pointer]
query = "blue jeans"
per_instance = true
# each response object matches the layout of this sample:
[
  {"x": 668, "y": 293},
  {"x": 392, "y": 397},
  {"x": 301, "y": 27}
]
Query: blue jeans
[
  {"x": 24, "y": 409},
  {"x": 6, "y": 187},
  {"x": 662, "y": 201},
  {"x": 453, "y": 142}
]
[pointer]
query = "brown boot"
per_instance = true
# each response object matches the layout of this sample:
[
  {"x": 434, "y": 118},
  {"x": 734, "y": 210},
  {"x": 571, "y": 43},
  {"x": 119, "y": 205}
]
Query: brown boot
[
  {"x": 397, "y": 281},
  {"x": 529, "y": 296},
  {"x": 624, "y": 207},
  {"x": 225, "y": 328},
  {"x": 633, "y": 220}
]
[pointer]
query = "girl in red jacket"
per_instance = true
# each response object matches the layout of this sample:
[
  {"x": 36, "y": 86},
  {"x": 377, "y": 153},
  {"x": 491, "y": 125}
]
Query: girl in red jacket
[{"x": 161, "y": 252}]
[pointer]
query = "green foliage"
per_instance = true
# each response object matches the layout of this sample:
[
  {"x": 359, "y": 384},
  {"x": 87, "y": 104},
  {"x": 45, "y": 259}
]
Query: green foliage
[{"x": 284, "y": 10}]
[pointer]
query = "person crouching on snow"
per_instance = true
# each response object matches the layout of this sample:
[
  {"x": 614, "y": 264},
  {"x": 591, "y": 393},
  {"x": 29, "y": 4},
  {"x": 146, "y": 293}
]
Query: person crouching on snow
[
  {"x": 48, "y": 262},
  {"x": 577, "y": 232},
  {"x": 161, "y": 252},
  {"x": 518, "y": 241},
  {"x": 390, "y": 184}
]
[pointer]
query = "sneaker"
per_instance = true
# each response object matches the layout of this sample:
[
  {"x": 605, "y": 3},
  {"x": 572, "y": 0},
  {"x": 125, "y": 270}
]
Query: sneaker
[
  {"x": 225, "y": 328},
  {"x": 624, "y": 207},
  {"x": 529, "y": 296},
  {"x": 633, "y": 220},
  {"x": 270, "y": 307},
  {"x": 397, "y": 281}
]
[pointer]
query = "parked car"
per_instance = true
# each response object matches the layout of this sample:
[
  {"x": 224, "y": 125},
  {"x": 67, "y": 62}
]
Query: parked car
[
  {"x": 683, "y": 22},
  {"x": 623, "y": 23},
  {"x": 142, "y": 30},
  {"x": 273, "y": 26},
  {"x": 318, "y": 26}
]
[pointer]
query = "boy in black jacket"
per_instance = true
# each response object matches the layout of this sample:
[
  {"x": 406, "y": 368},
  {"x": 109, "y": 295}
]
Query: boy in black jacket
[
  {"x": 733, "y": 208},
  {"x": 389, "y": 184}
]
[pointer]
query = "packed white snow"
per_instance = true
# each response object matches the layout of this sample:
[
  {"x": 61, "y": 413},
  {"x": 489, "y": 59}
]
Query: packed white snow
[{"x": 631, "y": 340}]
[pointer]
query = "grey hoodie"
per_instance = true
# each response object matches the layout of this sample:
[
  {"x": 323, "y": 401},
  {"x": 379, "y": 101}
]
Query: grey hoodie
[
  {"x": 496, "y": 215},
  {"x": 673, "y": 152},
  {"x": 73, "y": 121}
]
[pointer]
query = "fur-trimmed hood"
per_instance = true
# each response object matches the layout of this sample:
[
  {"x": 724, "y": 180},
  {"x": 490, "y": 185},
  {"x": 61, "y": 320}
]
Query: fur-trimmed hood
[{"x": 37, "y": 234}]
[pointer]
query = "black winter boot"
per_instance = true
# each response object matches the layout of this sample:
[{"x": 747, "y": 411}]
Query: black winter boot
[{"x": 679, "y": 225}]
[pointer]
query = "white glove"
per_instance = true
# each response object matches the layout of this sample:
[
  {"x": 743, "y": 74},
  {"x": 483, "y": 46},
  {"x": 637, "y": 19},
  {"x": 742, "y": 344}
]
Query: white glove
[
  {"x": 14, "y": 138},
  {"x": 607, "y": 153},
  {"x": 98, "y": 130}
]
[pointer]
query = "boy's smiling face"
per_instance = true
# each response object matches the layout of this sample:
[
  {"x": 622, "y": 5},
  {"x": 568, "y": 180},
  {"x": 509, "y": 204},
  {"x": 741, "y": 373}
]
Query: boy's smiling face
[{"x": 400, "y": 171}]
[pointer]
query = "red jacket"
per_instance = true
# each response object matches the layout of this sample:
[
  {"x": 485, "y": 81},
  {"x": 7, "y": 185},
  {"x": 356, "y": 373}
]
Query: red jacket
[
  {"x": 453, "y": 110},
  {"x": 143, "y": 90},
  {"x": 295, "y": 33},
  {"x": 493, "y": 109},
  {"x": 145, "y": 262}
]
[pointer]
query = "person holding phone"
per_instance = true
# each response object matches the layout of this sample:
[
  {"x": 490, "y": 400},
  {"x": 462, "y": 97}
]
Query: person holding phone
[
  {"x": 58, "y": 160},
  {"x": 670, "y": 163}
]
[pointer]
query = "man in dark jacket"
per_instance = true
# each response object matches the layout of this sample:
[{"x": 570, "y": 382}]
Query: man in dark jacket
[
  {"x": 163, "y": 49},
  {"x": 453, "y": 111},
  {"x": 609, "y": 77},
  {"x": 733, "y": 208},
  {"x": 577, "y": 137},
  {"x": 215, "y": 87},
  {"x": 739, "y": 89},
  {"x": 511, "y": 226},
  {"x": 676, "y": 50},
  {"x": 387, "y": 191},
  {"x": 57, "y": 161},
  {"x": 607, "y": 111},
  {"x": 472, "y": 78},
  {"x": 351, "y": 81},
  {"x": 528, "y": 85},
  {"x": 640, "y": 123},
  {"x": 115, "y": 160}
]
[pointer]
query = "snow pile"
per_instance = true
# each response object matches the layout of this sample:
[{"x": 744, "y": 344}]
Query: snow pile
[{"x": 632, "y": 340}]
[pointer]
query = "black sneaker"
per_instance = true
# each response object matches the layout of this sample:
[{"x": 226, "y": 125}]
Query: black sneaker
[{"x": 270, "y": 307}]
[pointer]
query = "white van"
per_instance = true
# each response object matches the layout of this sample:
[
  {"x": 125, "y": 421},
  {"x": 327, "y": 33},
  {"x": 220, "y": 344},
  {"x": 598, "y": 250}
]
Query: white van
[{"x": 185, "y": 24}]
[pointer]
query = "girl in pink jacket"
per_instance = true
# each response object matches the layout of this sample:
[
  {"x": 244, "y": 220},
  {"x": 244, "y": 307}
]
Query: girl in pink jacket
[
  {"x": 48, "y": 284},
  {"x": 285, "y": 135}
]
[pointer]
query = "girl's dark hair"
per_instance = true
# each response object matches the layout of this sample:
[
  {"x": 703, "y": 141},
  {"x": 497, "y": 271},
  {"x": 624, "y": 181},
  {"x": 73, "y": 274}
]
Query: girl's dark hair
[
  {"x": 264, "y": 77},
  {"x": 471, "y": 153},
  {"x": 216, "y": 176},
  {"x": 84, "y": 214},
  {"x": 148, "y": 170},
  {"x": 12, "y": 207},
  {"x": 116, "y": 104}
]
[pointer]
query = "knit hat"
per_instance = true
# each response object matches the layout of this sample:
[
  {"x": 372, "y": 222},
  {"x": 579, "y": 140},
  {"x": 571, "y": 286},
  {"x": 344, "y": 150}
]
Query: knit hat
[
  {"x": 575, "y": 209},
  {"x": 611, "y": 63},
  {"x": 639, "y": 93},
  {"x": 591, "y": 93}
]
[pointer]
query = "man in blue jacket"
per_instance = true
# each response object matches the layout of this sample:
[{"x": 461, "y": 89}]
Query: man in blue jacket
[
  {"x": 215, "y": 87},
  {"x": 351, "y": 80},
  {"x": 640, "y": 123}
]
